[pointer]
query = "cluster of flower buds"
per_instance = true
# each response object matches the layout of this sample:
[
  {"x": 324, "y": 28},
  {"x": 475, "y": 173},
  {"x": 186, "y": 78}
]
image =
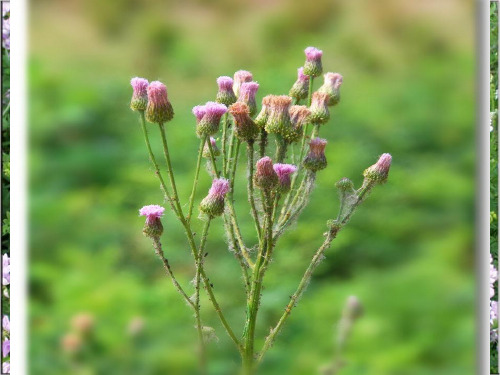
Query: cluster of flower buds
[
  {"x": 225, "y": 95},
  {"x": 378, "y": 172},
  {"x": 159, "y": 110},
  {"x": 208, "y": 118},
  {"x": 246, "y": 129},
  {"x": 315, "y": 160},
  {"x": 213, "y": 204},
  {"x": 300, "y": 88},
  {"x": 331, "y": 86},
  {"x": 153, "y": 227}
]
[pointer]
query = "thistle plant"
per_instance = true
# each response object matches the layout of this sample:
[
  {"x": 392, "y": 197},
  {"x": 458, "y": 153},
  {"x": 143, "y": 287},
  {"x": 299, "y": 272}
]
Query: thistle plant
[{"x": 283, "y": 155}]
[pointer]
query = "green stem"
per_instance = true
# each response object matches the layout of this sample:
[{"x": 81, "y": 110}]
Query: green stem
[
  {"x": 280, "y": 149},
  {"x": 262, "y": 143},
  {"x": 224, "y": 140},
  {"x": 196, "y": 175},
  {"x": 212, "y": 157},
  {"x": 251, "y": 193}
]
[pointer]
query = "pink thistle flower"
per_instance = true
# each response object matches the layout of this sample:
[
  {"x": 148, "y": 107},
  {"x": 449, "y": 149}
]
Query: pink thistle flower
[
  {"x": 159, "y": 109},
  {"x": 5, "y": 347},
  {"x": 265, "y": 177},
  {"x": 199, "y": 111},
  {"x": 209, "y": 123},
  {"x": 213, "y": 203},
  {"x": 139, "y": 100},
  {"x": 225, "y": 95},
  {"x": 313, "y": 66},
  {"x": 239, "y": 77},
  {"x": 299, "y": 116},
  {"x": 153, "y": 227},
  {"x": 284, "y": 171},
  {"x": 319, "y": 107},
  {"x": 379, "y": 171},
  {"x": 5, "y": 269},
  {"x": 331, "y": 86},
  {"x": 6, "y": 323},
  {"x": 300, "y": 88},
  {"x": 315, "y": 160},
  {"x": 206, "y": 150},
  {"x": 248, "y": 90},
  {"x": 246, "y": 129}
]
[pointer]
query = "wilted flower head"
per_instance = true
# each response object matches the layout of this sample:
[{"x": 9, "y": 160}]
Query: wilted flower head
[
  {"x": 139, "y": 101},
  {"x": 213, "y": 203},
  {"x": 5, "y": 269},
  {"x": 6, "y": 323},
  {"x": 313, "y": 66},
  {"x": 225, "y": 95},
  {"x": 299, "y": 116},
  {"x": 331, "y": 86},
  {"x": 153, "y": 227},
  {"x": 315, "y": 160},
  {"x": 265, "y": 177},
  {"x": 379, "y": 171},
  {"x": 246, "y": 129},
  {"x": 261, "y": 118},
  {"x": 209, "y": 123},
  {"x": 247, "y": 95},
  {"x": 239, "y": 77},
  {"x": 159, "y": 109},
  {"x": 300, "y": 88},
  {"x": 215, "y": 149},
  {"x": 319, "y": 108},
  {"x": 284, "y": 171},
  {"x": 278, "y": 120}
]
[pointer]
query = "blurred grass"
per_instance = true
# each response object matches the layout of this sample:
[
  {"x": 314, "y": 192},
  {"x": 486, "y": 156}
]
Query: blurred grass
[{"x": 408, "y": 253}]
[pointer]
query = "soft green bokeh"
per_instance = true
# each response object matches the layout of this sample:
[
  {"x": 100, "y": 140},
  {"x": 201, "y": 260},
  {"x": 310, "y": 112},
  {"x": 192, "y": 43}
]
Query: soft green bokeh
[{"x": 407, "y": 254}]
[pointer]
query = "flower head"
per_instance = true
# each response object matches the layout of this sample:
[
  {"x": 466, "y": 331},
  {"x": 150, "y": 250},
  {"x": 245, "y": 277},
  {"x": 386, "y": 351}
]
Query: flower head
[
  {"x": 379, "y": 171},
  {"x": 265, "y": 176},
  {"x": 213, "y": 204},
  {"x": 206, "y": 149},
  {"x": 6, "y": 367},
  {"x": 313, "y": 66},
  {"x": 261, "y": 118},
  {"x": 199, "y": 111},
  {"x": 284, "y": 171},
  {"x": 248, "y": 90},
  {"x": 159, "y": 109},
  {"x": 319, "y": 107},
  {"x": 300, "y": 88},
  {"x": 153, "y": 227},
  {"x": 6, "y": 323},
  {"x": 209, "y": 123},
  {"x": 246, "y": 129},
  {"x": 315, "y": 160},
  {"x": 278, "y": 120},
  {"x": 5, "y": 269},
  {"x": 5, "y": 347},
  {"x": 299, "y": 116},
  {"x": 225, "y": 95},
  {"x": 139, "y": 101},
  {"x": 239, "y": 77},
  {"x": 331, "y": 86}
]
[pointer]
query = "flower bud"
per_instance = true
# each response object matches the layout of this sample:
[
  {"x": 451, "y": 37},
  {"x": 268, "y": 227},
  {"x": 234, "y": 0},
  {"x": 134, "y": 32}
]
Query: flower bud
[
  {"x": 299, "y": 116},
  {"x": 247, "y": 95},
  {"x": 239, "y": 77},
  {"x": 225, "y": 95},
  {"x": 284, "y": 171},
  {"x": 213, "y": 204},
  {"x": 209, "y": 123},
  {"x": 278, "y": 121},
  {"x": 246, "y": 130},
  {"x": 313, "y": 66},
  {"x": 319, "y": 108},
  {"x": 159, "y": 109},
  {"x": 261, "y": 118},
  {"x": 139, "y": 100},
  {"x": 153, "y": 227},
  {"x": 265, "y": 177},
  {"x": 331, "y": 86},
  {"x": 206, "y": 149},
  {"x": 315, "y": 160},
  {"x": 345, "y": 185},
  {"x": 379, "y": 171},
  {"x": 353, "y": 308},
  {"x": 300, "y": 88}
]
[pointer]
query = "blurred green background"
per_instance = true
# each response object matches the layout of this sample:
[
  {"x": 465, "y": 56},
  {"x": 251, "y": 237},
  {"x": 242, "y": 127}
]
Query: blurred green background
[{"x": 407, "y": 254}]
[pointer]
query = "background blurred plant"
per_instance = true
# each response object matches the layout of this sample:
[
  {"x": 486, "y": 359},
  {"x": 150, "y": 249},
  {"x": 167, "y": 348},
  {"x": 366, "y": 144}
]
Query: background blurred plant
[{"x": 400, "y": 64}]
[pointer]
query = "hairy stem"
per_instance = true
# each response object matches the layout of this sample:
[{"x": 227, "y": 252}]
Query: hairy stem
[
  {"x": 262, "y": 143},
  {"x": 251, "y": 193},
  {"x": 196, "y": 175},
  {"x": 224, "y": 140}
]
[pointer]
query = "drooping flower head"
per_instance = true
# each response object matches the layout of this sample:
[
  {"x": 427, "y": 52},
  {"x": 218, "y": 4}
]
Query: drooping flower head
[
  {"x": 5, "y": 269},
  {"x": 261, "y": 118},
  {"x": 247, "y": 95},
  {"x": 239, "y": 77},
  {"x": 300, "y": 88},
  {"x": 215, "y": 149},
  {"x": 199, "y": 111},
  {"x": 6, "y": 323},
  {"x": 278, "y": 120},
  {"x": 284, "y": 171},
  {"x": 225, "y": 95},
  {"x": 159, "y": 109},
  {"x": 246, "y": 129},
  {"x": 265, "y": 177},
  {"x": 313, "y": 66},
  {"x": 153, "y": 227},
  {"x": 213, "y": 204},
  {"x": 209, "y": 123},
  {"x": 139, "y": 101},
  {"x": 378, "y": 172},
  {"x": 331, "y": 86},
  {"x": 315, "y": 160},
  {"x": 319, "y": 108},
  {"x": 299, "y": 116}
]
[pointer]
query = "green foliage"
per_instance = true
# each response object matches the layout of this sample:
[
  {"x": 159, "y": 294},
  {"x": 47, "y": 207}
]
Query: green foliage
[{"x": 407, "y": 253}]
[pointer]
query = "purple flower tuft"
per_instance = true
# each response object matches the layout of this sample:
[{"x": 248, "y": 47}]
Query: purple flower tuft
[
  {"x": 213, "y": 204},
  {"x": 225, "y": 95},
  {"x": 159, "y": 109},
  {"x": 209, "y": 123},
  {"x": 378, "y": 172},
  {"x": 139, "y": 100},
  {"x": 265, "y": 177},
  {"x": 313, "y": 53},
  {"x": 199, "y": 111},
  {"x": 5, "y": 269},
  {"x": 6, "y": 323},
  {"x": 152, "y": 212},
  {"x": 5, "y": 347},
  {"x": 301, "y": 76},
  {"x": 215, "y": 110},
  {"x": 220, "y": 187},
  {"x": 6, "y": 367},
  {"x": 284, "y": 171},
  {"x": 225, "y": 83},
  {"x": 313, "y": 66},
  {"x": 240, "y": 77}
]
